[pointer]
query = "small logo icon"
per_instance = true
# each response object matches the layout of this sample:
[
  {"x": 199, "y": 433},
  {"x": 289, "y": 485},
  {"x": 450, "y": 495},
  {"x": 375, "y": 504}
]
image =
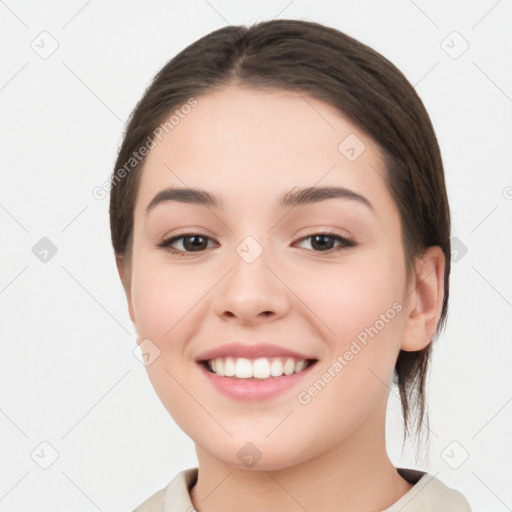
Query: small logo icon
[
  {"x": 249, "y": 249},
  {"x": 44, "y": 250},
  {"x": 45, "y": 45},
  {"x": 351, "y": 147},
  {"x": 459, "y": 250},
  {"x": 249, "y": 455},
  {"x": 455, "y": 455},
  {"x": 44, "y": 455},
  {"x": 146, "y": 352},
  {"x": 454, "y": 45}
]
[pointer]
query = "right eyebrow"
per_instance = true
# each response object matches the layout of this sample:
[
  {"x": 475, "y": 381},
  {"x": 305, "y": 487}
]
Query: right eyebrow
[{"x": 185, "y": 195}]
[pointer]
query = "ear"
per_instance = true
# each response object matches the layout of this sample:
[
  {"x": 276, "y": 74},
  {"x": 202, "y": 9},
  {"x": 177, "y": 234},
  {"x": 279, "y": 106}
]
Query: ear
[
  {"x": 124, "y": 270},
  {"x": 425, "y": 299}
]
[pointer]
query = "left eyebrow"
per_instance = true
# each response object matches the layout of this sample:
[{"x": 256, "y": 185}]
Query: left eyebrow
[
  {"x": 316, "y": 194},
  {"x": 290, "y": 199}
]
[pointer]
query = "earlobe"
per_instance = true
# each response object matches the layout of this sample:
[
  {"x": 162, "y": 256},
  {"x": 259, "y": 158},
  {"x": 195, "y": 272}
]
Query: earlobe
[
  {"x": 425, "y": 300},
  {"x": 124, "y": 275}
]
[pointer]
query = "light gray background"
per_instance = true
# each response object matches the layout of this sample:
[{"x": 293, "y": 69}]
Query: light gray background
[{"x": 68, "y": 372}]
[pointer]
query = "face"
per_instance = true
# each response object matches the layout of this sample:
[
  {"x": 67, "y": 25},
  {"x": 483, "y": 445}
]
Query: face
[{"x": 324, "y": 278}]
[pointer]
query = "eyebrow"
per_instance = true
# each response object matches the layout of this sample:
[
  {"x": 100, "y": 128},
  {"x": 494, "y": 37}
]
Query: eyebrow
[{"x": 290, "y": 199}]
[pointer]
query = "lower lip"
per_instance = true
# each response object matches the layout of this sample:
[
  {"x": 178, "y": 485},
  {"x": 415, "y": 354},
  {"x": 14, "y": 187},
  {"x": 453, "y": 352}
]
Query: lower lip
[{"x": 247, "y": 389}]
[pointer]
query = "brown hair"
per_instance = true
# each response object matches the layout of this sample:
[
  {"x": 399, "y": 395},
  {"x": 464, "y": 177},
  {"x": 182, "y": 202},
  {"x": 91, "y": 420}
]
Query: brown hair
[{"x": 331, "y": 66}]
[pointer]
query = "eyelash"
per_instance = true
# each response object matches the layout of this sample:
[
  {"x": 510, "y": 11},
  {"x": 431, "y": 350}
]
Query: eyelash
[{"x": 346, "y": 242}]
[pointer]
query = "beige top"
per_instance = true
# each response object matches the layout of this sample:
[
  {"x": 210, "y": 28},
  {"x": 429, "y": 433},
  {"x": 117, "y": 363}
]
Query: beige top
[{"x": 428, "y": 495}]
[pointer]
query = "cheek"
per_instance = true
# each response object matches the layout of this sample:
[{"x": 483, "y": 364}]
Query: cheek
[
  {"x": 364, "y": 315},
  {"x": 360, "y": 312},
  {"x": 349, "y": 298},
  {"x": 163, "y": 296}
]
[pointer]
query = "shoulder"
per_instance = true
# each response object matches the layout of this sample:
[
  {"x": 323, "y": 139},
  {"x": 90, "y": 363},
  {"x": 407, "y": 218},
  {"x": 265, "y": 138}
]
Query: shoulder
[
  {"x": 429, "y": 494},
  {"x": 155, "y": 503},
  {"x": 175, "y": 496}
]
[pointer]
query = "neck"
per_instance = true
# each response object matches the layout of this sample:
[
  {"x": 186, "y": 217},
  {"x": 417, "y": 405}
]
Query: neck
[{"x": 355, "y": 475}]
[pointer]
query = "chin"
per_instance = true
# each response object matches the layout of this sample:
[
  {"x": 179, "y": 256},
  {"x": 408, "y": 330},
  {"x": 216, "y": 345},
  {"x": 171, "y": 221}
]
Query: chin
[{"x": 261, "y": 456}]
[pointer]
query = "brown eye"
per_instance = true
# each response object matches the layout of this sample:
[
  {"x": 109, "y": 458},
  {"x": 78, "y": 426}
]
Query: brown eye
[
  {"x": 190, "y": 242},
  {"x": 325, "y": 242}
]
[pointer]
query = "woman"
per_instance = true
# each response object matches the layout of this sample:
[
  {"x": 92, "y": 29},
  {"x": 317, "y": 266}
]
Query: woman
[{"x": 282, "y": 231}]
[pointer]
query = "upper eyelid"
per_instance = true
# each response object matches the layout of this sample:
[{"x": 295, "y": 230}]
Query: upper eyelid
[
  {"x": 168, "y": 241},
  {"x": 320, "y": 232}
]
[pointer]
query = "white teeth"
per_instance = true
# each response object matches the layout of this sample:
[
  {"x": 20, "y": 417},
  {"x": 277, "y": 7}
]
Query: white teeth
[
  {"x": 276, "y": 368},
  {"x": 243, "y": 368},
  {"x": 229, "y": 367},
  {"x": 219, "y": 367},
  {"x": 289, "y": 366},
  {"x": 261, "y": 368},
  {"x": 300, "y": 366}
]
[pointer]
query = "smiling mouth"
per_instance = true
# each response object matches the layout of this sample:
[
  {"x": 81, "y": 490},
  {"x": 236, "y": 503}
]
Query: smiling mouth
[{"x": 256, "y": 369}]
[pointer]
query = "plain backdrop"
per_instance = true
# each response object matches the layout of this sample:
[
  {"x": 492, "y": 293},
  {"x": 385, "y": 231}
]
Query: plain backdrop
[{"x": 81, "y": 426}]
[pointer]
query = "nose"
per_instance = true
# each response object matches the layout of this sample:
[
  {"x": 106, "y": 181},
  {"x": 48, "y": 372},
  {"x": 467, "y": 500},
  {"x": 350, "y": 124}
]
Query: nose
[{"x": 252, "y": 292}]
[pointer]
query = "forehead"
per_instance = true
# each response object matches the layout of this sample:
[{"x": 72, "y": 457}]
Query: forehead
[{"x": 254, "y": 145}]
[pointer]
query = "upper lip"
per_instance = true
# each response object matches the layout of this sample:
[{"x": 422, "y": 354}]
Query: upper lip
[{"x": 250, "y": 351}]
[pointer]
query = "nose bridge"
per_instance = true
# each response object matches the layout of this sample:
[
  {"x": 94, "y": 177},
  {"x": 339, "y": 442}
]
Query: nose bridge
[
  {"x": 251, "y": 290},
  {"x": 250, "y": 275}
]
